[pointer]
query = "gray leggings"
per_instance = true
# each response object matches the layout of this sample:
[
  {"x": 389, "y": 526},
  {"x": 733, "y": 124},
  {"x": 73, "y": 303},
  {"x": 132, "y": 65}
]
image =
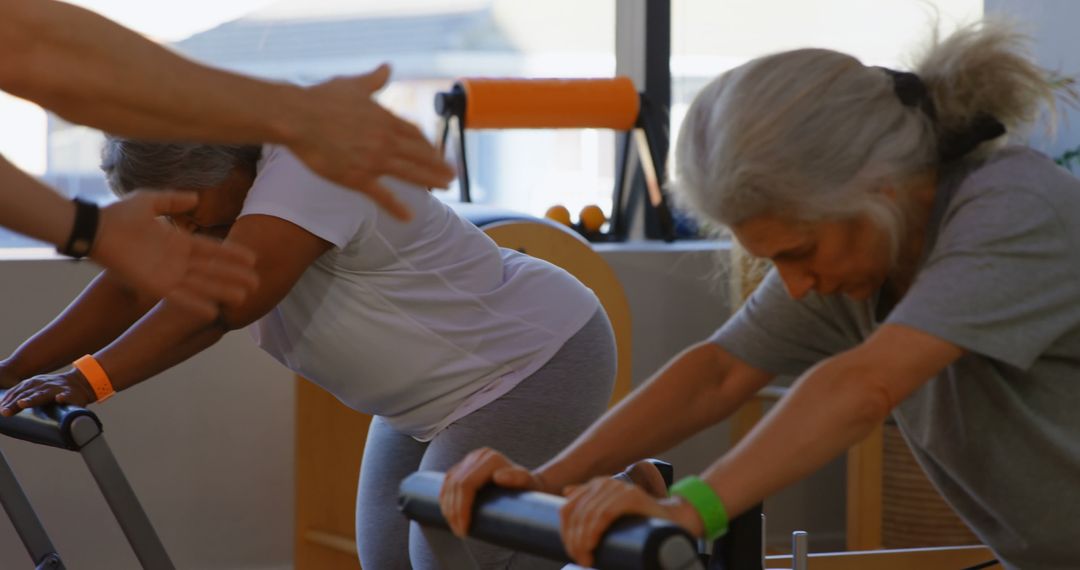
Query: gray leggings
[{"x": 530, "y": 424}]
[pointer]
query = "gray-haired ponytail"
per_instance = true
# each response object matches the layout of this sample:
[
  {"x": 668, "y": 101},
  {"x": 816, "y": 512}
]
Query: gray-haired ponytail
[
  {"x": 985, "y": 69},
  {"x": 813, "y": 134}
]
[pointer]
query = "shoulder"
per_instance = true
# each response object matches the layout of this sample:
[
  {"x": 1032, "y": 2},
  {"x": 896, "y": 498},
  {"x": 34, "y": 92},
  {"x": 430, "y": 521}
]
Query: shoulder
[{"x": 1019, "y": 171}]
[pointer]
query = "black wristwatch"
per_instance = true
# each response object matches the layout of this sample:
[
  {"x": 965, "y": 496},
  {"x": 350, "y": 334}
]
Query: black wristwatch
[{"x": 83, "y": 231}]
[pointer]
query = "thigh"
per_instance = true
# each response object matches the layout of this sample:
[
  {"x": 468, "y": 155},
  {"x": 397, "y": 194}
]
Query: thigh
[{"x": 382, "y": 533}]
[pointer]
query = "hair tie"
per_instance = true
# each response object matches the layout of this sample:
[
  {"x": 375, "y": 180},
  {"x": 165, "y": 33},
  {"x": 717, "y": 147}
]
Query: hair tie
[
  {"x": 911, "y": 91},
  {"x": 955, "y": 144},
  {"x": 952, "y": 144}
]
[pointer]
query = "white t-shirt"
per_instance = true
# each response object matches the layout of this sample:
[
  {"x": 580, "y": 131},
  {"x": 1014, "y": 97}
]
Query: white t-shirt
[{"x": 420, "y": 322}]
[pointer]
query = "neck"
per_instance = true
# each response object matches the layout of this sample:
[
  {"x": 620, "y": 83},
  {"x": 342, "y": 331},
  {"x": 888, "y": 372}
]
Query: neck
[{"x": 921, "y": 193}]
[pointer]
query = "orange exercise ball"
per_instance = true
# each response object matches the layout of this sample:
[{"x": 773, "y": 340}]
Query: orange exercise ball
[
  {"x": 558, "y": 213},
  {"x": 592, "y": 217}
]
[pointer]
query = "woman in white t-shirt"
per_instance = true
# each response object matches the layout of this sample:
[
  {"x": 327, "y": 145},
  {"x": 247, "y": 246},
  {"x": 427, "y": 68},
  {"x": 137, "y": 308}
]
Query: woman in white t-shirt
[{"x": 452, "y": 342}]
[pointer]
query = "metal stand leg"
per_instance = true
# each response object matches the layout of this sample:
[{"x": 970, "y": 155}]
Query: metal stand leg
[
  {"x": 26, "y": 523},
  {"x": 121, "y": 498},
  {"x": 800, "y": 550}
]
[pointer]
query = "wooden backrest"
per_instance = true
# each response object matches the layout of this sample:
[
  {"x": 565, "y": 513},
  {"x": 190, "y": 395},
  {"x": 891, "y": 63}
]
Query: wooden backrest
[{"x": 561, "y": 247}]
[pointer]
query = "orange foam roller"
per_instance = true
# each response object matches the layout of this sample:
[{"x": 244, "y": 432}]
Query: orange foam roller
[{"x": 550, "y": 103}]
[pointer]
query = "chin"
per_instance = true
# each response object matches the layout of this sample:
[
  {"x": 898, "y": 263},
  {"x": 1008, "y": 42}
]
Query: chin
[{"x": 860, "y": 292}]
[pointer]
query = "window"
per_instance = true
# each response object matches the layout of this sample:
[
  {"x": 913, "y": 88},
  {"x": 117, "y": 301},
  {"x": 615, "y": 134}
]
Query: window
[
  {"x": 428, "y": 42},
  {"x": 711, "y": 37}
]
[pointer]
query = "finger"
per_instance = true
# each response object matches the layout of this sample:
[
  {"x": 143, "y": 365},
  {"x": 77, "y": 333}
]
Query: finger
[
  {"x": 377, "y": 78},
  {"x": 196, "y": 305},
  {"x": 409, "y": 171},
  {"x": 475, "y": 474},
  {"x": 599, "y": 509},
  {"x": 569, "y": 516},
  {"x": 386, "y": 199},
  {"x": 228, "y": 253},
  {"x": 39, "y": 397},
  {"x": 8, "y": 404},
  {"x": 220, "y": 267},
  {"x": 514, "y": 478}
]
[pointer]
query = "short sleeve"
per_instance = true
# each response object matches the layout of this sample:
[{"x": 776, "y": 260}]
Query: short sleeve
[
  {"x": 285, "y": 188},
  {"x": 781, "y": 335},
  {"x": 1001, "y": 279}
]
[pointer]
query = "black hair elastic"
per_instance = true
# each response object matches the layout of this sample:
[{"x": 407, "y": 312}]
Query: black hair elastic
[{"x": 952, "y": 144}]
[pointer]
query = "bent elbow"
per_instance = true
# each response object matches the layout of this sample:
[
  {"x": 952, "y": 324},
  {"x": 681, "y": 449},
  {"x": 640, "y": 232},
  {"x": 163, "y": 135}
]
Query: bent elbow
[{"x": 876, "y": 403}]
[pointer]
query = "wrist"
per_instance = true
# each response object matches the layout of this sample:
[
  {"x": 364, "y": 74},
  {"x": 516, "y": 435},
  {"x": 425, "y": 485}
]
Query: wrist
[
  {"x": 286, "y": 126},
  {"x": 84, "y": 229},
  {"x": 708, "y": 506},
  {"x": 685, "y": 515},
  {"x": 549, "y": 480},
  {"x": 78, "y": 380},
  {"x": 94, "y": 377}
]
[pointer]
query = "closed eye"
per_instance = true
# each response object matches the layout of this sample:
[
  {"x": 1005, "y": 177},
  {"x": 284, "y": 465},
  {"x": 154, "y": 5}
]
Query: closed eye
[{"x": 796, "y": 254}]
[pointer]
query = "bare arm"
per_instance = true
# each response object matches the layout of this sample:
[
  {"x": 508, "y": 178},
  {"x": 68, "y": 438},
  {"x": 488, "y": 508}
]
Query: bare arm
[
  {"x": 166, "y": 336},
  {"x": 698, "y": 388},
  {"x": 93, "y": 71},
  {"x": 830, "y": 408},
  {"x": 32, "y": 208},
  {"x": 152, "y": 256},
  {"x": 104, "y": 310}
]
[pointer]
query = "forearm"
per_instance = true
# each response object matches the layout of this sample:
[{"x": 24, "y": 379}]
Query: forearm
[
  {"x": 162, "y": 339},
  {"x": 33, "y": 209},
  {"x": 103, "y": 311},
  {"x": 95, "y": 72},
  {"x": 828, "y": 410},
  {"x": 692, "y": 392}
]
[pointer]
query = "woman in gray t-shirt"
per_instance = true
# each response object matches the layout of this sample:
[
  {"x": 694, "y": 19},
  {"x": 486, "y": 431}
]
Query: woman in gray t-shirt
[{"x": 921, "y": 269}]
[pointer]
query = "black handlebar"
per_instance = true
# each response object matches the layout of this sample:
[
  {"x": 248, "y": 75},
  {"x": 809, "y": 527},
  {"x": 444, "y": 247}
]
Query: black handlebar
[
  {"x": 47, "y": 425},
  {"x": 529, "y": 522}
]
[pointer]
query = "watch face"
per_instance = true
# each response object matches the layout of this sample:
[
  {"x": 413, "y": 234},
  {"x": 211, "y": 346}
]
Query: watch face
[{"x": 80, "y": 247}]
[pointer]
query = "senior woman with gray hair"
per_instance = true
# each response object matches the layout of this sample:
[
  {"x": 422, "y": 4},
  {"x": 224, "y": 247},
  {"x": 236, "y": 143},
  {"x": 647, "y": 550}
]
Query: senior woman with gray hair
[
  {"x": 921, "y": 268},
  {"x": 452, "y": 342}
]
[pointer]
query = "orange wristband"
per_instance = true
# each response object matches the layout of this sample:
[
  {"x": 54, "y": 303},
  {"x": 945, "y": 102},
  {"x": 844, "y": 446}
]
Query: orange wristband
[{"x": 96, "y": 376}]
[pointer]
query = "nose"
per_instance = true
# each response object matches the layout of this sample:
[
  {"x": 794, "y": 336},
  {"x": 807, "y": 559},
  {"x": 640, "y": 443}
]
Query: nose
[{"x": 797, "y": 280}]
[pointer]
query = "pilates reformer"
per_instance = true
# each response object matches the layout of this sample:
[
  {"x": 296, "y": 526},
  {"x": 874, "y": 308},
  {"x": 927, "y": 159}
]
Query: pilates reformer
[
  {"x": 529, "y": 522},
  {"x": 485, "y": 103},
  {"x": 75, "y": 429}
]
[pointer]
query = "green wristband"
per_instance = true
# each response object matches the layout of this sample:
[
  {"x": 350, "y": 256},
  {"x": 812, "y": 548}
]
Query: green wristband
[{"x": 704, "y": 500}]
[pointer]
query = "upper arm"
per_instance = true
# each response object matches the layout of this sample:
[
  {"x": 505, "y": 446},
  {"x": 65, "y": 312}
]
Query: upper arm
[
  {"x": 726, "y": 381},
  {"x": 283, "y": 251},
  {"x": 897, "y": 360}
]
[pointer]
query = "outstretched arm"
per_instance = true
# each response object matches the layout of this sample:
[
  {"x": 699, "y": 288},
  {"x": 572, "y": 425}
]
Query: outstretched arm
[
  {"x": 698, "y": 388},
  {"x": 93, "y": 71},
  {"x": 831, "y": 407},
  {"x": 166, "y": 335},
  {"x": 195, "y": 272},
  {"x": 102, "y": 312}
]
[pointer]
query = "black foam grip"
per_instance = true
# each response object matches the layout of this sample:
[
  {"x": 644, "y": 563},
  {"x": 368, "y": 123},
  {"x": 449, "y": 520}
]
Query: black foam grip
[
  {"x": 529, "y": 522},
  {"x": 47, "y": 425}
]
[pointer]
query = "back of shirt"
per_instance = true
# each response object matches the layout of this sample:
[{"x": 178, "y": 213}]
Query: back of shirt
[
  {"x": 998, "y": 431},
  {"x": 419, "y": 322}
]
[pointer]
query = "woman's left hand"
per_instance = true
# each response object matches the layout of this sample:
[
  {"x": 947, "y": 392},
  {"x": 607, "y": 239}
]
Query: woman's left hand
[
  {"x": 68, "y": 388},
  {"x": 591, "y": 508}
]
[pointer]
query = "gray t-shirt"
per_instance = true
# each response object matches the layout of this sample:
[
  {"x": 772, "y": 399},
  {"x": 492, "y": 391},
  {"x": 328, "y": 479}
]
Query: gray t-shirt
[{"x": 998, "y": 431}]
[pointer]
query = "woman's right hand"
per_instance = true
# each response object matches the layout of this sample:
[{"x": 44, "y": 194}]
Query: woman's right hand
[{"x": 479, "y": 468}]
